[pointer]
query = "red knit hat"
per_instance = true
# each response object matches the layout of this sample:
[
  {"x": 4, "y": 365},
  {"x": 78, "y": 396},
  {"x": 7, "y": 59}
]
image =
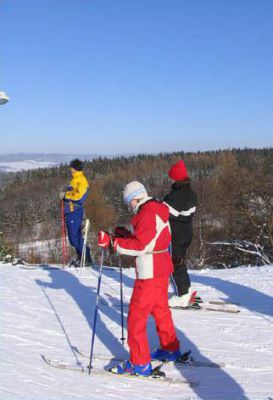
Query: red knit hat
[{"x": 178, "y": 172}]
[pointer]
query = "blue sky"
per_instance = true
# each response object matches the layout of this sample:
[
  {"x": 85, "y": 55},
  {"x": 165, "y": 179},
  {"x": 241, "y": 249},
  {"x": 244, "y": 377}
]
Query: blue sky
[{"x": 119, "y": 76}]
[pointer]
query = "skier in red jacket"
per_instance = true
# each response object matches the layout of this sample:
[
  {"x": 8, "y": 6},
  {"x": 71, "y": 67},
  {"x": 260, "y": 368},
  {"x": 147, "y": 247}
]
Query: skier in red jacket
[{"x": 149, "y": 243}]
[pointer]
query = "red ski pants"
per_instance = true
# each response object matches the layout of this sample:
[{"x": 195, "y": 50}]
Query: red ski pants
[{"x": 150, "y": 297}]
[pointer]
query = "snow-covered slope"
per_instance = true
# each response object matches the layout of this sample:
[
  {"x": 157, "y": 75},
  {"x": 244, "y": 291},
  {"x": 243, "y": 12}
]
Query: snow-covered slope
[
  {"x": 50, "y": 310},
  {"x": 16, "y": 166}
]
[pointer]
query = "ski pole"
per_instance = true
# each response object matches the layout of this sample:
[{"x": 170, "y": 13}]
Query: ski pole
[
  {"x": 121, "y": 302},
  {"x": 64, "y": 242},
  {"x": 96, "y": 313},
  {"x": 172, "y": 281},
  {"x": 83, "y": 255},
  {"x": 64, "y": 235}
]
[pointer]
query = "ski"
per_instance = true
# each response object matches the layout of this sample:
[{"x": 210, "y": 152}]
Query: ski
[
  {"x": 219, "y": 309},
  {"x": 158, "y": 377},
  {"x": 208, "y": 307},
  {"x": 196, "y": 303},
  {"x": 20, "y": 263},
  {"x": 218, "y": 302},
  {"x": 186, "y": 360}
]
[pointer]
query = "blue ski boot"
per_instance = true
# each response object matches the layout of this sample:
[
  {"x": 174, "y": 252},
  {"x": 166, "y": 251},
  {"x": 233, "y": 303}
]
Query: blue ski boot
[
  {"x": 126, "y": 367},
  {"x": 166, "y": 355}
]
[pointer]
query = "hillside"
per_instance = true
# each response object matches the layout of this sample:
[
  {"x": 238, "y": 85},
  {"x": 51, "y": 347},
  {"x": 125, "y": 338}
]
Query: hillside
[
  {"x": 234, "y": 190},
  {"x": 52, "y": 310}
]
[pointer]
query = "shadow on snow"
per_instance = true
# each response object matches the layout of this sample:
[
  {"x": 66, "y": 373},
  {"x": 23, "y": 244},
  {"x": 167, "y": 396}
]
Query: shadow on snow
[
  {"x": 217, "y": 385},
  {"x": 247, "y": 297}
]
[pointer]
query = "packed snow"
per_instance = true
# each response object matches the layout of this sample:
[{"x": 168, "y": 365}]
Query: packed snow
[{"x": 47, "y": 310}]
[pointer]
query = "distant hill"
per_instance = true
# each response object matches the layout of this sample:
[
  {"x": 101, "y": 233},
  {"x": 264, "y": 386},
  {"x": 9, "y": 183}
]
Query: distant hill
[
  {"x": 16, "y": 162},
  {"x": 17, "y": 166},
  {"x": 56, "y": 158}
]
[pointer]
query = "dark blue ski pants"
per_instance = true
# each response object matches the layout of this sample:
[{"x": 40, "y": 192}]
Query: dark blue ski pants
[{"x": 74, "y": 230}]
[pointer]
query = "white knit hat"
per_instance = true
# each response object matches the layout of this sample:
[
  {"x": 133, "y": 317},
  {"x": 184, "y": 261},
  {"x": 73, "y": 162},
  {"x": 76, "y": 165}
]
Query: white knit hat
[{"x": 134, "y": 190}]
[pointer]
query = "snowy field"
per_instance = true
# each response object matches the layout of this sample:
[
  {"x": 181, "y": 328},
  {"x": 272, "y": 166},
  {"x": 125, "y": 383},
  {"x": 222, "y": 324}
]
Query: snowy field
[
  {"x": 17, "y": 166},
  {"x": 49, "y": 310}
]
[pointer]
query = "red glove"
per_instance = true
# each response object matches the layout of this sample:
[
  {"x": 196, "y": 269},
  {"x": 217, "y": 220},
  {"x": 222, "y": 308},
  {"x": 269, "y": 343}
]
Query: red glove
[{"x": 104, "y": 239}]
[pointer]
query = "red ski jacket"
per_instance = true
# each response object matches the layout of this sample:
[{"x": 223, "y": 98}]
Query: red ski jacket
[{"x": 150, "y": 241}]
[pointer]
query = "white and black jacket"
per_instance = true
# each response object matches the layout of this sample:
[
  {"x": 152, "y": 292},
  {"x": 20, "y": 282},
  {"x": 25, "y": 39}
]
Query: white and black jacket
[{"x": 182, "y": 201}]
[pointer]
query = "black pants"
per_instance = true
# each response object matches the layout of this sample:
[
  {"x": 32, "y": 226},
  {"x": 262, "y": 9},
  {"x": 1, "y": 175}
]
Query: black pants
[{"x": 180, "y": 275}]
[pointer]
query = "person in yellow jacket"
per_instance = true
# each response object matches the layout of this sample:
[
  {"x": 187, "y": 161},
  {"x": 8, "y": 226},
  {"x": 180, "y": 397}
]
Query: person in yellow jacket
[{"x": 74, "y": 197}]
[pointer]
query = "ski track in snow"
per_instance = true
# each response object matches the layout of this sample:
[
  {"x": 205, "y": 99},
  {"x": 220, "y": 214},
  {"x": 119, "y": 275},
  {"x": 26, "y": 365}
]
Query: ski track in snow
[{"x": 48, "y": 311}]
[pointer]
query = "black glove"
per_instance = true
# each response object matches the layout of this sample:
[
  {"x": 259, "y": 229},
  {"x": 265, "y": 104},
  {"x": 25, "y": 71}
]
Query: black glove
[{"x": 121, "y": 232}]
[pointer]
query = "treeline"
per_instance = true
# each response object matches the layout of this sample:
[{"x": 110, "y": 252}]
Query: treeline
[{"x": 233, "y": 224}]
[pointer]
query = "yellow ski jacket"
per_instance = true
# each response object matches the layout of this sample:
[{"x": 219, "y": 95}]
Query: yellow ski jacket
[{"x": 76, "y": 193}]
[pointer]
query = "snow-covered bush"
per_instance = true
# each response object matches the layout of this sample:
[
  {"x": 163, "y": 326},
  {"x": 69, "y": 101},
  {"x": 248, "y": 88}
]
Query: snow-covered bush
[{"x": 5, "y": 250}]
